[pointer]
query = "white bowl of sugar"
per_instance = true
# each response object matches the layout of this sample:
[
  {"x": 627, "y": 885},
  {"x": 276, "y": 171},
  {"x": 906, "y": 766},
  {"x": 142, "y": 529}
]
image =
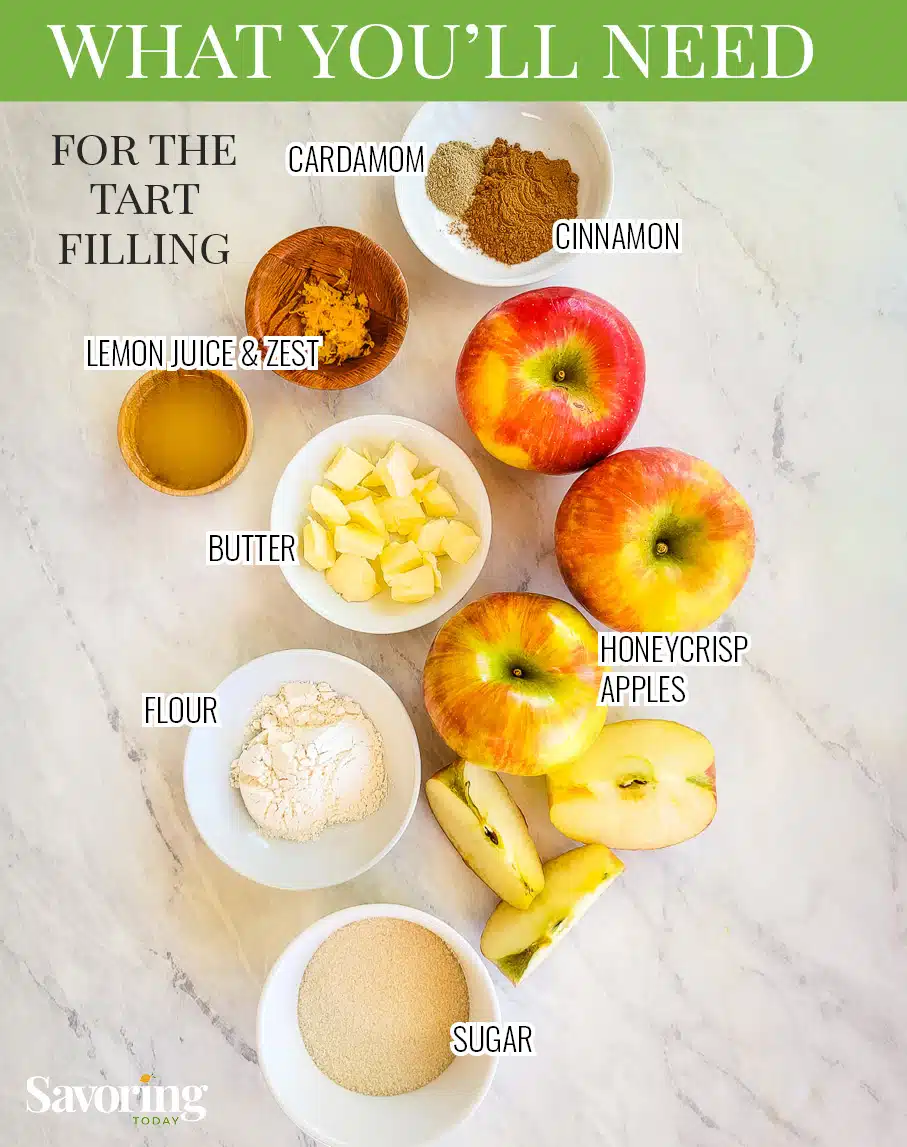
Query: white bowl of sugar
[{"x": 314, "y": 985}]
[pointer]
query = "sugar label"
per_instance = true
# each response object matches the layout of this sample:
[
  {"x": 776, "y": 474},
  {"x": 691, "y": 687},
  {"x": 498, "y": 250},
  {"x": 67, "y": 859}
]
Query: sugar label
[{"x": 492, "y": 1039}]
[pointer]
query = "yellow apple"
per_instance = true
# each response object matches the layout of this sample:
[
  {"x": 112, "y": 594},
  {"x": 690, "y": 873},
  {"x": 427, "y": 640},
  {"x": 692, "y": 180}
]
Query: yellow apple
[{"x": 511, "y": 682}]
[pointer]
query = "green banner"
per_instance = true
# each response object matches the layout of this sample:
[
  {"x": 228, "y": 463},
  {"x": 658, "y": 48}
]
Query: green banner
[{"x": 453, "y": 50}]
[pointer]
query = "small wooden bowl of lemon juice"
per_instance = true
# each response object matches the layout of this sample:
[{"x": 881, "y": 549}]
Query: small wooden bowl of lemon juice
[{"x": 185, "y": 432}]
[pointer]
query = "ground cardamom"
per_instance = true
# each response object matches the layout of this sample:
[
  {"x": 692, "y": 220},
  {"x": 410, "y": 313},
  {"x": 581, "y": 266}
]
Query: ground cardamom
[{"x": 453, "y": 172}]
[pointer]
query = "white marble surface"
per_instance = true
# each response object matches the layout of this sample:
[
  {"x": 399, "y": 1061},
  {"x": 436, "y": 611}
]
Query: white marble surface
[{"x": 746, "y": 988}]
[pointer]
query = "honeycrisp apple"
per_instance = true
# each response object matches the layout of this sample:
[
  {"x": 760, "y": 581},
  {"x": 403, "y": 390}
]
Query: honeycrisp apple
[
  {"x": 484, "y": 824},
  {"x": 551, "y": 380},
  {"x": 642, "y": 784},
  {"x": 654, "y": 539},
  {"x": 511, "y": 683},
  {"x": 517, "y": 941}
]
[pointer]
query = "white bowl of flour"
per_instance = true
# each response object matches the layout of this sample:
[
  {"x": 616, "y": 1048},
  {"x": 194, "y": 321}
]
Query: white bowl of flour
[{"x": 310, "y": 776}]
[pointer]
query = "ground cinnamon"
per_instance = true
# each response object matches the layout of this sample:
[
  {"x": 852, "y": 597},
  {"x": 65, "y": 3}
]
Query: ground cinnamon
[{"x": 517, "y": 201}]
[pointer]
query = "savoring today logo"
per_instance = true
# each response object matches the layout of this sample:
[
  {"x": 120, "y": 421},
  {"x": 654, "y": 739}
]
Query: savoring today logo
[{"x": 147, "y": 1104}]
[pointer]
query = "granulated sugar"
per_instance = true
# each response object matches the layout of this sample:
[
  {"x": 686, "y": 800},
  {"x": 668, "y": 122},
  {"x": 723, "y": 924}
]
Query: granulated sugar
[{"x": 376, "y": 1004}]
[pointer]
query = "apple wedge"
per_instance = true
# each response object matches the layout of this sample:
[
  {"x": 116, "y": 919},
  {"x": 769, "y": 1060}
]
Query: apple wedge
[
  {"x": 518, "y": 940},
  {"x": 484, "y": 824},
  {"x": 642, "y": 784}
]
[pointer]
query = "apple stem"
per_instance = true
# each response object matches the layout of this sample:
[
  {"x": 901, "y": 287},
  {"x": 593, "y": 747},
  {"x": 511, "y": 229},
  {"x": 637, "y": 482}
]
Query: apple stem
[
  {"x": 661, "y": 548},
  {"x": 560, "y": 376},
  {"x": 518, "y": 672}
]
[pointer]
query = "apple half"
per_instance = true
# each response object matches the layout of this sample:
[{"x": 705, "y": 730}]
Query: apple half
[
  {"x": 517, "y": 941},
  {"x": 482, "y": 821},
  {"x": 642, "y": 784}
]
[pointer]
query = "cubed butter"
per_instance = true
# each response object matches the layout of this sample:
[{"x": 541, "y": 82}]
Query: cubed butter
[
  {"x": 317, "y": 547},
  {"x": 395, "y": 471},
  {"x": 438, "y": 502},
  {"x": 432, "y": 561},
  {"x": 364, "y": 512},
  {"x": 355, "y": 495},
  {"x": 373, "y": 481},
  {"x": 429, "y": 537},
  {"x": 416, "y": 585},
  {"x": 459, "y": 542},
  {"x": 401, "y": 514},
  {"x": 425, "y": 482},
  {"x": 326, "y": 503},
  {"x": 358, "y": 540},
  {"x": 353, "y": 578},
  {"x": 412, "y": 460},
  {"x": 373, "y": 510},
  {"x": 399, "y": 557},
  {"x": 348, "y": 469}
]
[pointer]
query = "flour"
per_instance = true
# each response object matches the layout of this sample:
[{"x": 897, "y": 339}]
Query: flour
[{"x": 311, "y": 758}]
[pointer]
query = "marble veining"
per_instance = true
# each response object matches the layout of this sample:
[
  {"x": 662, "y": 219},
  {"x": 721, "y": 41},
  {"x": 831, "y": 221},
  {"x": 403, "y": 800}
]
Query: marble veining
[{"x": 746, "y": 988}]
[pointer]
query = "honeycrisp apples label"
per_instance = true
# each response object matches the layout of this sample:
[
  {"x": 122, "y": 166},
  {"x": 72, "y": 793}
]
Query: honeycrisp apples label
[{"x": 644, "y": 650}]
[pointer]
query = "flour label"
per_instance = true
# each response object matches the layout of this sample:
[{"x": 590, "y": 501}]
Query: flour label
[{"x": 162, "y": 709}]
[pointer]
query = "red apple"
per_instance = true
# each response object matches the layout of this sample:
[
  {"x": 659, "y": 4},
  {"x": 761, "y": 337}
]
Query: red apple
[
  {"x": 511, "y": 682},
  {"x": 551, "y": 380},
  {"x": 654, "y": 539}
]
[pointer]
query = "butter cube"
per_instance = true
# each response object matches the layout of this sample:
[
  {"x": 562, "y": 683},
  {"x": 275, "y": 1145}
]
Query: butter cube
[
  {"x": 358, "y": 540},
  {"x": 326, "y": 503},
  {"x": 431, "y": 560},
  {"x": 364, "y": 512},
  {"x": 426, "y": 482},
  {"x": 317, "y": 548},
  {"x": 417, "y": 585},
  {"x": 429, "y": 537},
  {"x": 401, "y": 515},
  {"x": 355, "y": 495},
  {"x": 411, "y": 460},
  {"x": 395, "y": 471},
  {"x": 438, "y": 503},
  {"x": 373, "y": 481},
  {"x": 399, "y": 557},
  {"x": 348, "y": 469},
  {"x": 353, "y": 578},
  {"x": 459, "y": 542}
]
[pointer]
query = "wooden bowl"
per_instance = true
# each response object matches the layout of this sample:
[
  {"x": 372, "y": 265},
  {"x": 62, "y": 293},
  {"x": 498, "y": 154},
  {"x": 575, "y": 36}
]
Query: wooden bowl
[
  {"x": 126, "y": 436},
  {"x": 336, "y": 255}
]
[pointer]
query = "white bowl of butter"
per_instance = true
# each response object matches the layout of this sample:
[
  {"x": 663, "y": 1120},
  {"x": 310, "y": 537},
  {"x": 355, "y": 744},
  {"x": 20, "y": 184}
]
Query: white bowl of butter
[
  {"x": 253, "y": 846},
  {"x": 373, "y": 435}
]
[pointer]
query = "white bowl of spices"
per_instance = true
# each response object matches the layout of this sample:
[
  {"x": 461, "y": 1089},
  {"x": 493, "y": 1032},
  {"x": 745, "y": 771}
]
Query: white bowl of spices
[
  {"x": 311, "y": 774},
  {"x": 498, "y": 177},
  {"x": 354, "y": 1028}
]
